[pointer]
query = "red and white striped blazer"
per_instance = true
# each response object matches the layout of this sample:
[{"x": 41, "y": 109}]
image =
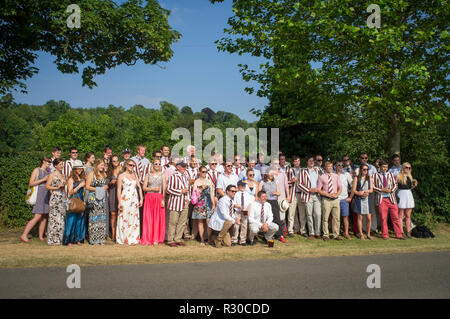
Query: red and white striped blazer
[
  {"x": 213, "y": 176},
  {"x": 192, "y": 173},
  {"x": 304, "y": 184},
  {"x": 293, "y": 187},
  {"x": 67, "y": 168},
  {"x": 177, "y": 200},
  {"x": 378, "y": 185}
]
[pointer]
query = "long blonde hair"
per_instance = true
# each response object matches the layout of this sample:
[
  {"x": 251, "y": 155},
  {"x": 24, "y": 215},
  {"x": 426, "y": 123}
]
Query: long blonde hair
[
  {"x": 124, "y": 167},
  {"x": 97, "y": 174},
  {"x": 403, "y": 175}
]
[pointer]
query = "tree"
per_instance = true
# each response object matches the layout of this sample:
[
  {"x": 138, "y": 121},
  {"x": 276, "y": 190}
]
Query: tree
[
  {"x": 325, "y": 62},
  {"x": 109, "y": 35}
]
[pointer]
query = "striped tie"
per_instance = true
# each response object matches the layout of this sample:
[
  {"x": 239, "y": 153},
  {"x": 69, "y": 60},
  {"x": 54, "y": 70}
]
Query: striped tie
[
  {"x": 330, "y": 184},
  {"x": 140, "y": 170},
  {"x": 384, "y": 181},
  {"x": 231, "y": 207},
  {"x": 262, "y": 213}
]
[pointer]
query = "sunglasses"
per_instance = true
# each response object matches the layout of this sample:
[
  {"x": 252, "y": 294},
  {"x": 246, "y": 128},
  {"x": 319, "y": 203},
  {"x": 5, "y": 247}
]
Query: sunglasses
[
  {"x": 213, "y": 164},
  {"x": 407, "y": 167},
  {"x": 157, "y": 164},
  {"x": 73, "y": 152},
  {"x": 365, "y": 169},
  {"x": 233, "y": 191},
  {"x": 364, "y": 158},
  {"x": 131, "y": 165},
  {"x": 228, "y": 165},
  {"x": 339, "y": 165},
  {"x": 203, "y": 172},
  {"x": 251, "y": 175}
]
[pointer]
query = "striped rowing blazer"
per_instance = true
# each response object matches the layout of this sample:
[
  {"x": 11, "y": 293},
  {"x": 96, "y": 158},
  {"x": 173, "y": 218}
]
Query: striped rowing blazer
[
  {"x": 304, "y": 184},
  {"x": 67, "y": 168},
  {"x": 378, "y": 185},
  {"x": 213, "y": 176},
  {"x": 177, "y": 200},
  {"x": 293, "y": 187}
]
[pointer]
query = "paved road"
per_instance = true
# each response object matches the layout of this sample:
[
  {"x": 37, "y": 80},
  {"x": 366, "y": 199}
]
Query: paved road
[{"x": 418, "y": 275}]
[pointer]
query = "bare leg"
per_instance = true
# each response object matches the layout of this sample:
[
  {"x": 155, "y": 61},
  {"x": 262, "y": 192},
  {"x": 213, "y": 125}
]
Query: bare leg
[
  {"x": 346, "y": 227},
  {"x": 29, "y": 226},
  {"x": 369, "y": 225},
  {"x": 42, "y": 226},
  {"x": 408, "y": 219},
  {"x": 209, "y": 231},
  {"x": 113, "y": 220},
  {"x": 200, "y": 230},
  {"x": 401, "y": 215},
  {"x": 360, "y": 218}
]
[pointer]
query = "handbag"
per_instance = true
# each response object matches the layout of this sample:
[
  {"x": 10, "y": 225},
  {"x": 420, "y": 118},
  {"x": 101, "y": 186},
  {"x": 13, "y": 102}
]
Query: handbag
[
  {"x": 76, "y": 205},
  {"x": 31, "y": 196}
]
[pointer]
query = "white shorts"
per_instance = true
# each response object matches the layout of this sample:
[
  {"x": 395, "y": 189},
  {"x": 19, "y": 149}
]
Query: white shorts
[{"x": 406, "y": 199}]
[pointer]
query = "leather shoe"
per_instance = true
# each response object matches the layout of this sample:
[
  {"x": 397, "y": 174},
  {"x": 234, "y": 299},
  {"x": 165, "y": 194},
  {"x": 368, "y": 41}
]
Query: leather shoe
[
  {"x": 338, "y": 238},
  {"x": 172, "y": 245},
  {"x": 264, "y": 240},
  {"x": 180, "y": 243},
  {"x": 291, "y": 235},
  {"x": 311, "y": 237},
  {"x": 244, "y": 244},
  {"x": 325, "y": 238},
  {"x": 318, "y": 237}
]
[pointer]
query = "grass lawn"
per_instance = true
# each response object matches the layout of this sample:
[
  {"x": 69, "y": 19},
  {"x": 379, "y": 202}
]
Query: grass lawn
[{"x": 16, "y": 254}]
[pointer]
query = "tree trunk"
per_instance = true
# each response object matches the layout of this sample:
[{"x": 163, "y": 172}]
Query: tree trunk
[{"x": 394, "y": 138}]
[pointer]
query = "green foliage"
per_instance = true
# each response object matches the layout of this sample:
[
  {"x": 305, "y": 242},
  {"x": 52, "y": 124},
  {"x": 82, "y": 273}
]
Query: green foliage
[
  {"x": 15, "y": 172},
  {"x": 110, "y": 34}
]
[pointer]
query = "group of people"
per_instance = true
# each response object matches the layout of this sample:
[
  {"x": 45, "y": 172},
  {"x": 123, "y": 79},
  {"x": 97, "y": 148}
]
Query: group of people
[{"x": 166, "y": 199}]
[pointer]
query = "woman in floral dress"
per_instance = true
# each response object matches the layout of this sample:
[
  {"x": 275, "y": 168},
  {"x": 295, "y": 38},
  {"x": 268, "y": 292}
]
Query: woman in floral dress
[
  {"x": 97, "y": 185},
  {"x": 128, "y": 202},
  {"x": 205, "y": 206},
  {"x": 57, "y": 204}
]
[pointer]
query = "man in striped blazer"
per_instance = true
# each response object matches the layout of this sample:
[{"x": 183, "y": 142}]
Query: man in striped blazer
[
  {"x": 385, "y": 185},
  {"x": 309, "y": 194},
  {"x": 178, "y": 190},
  {"x": 192, "y": 174},
  {"x": 296, "y": 221},
  {"x": 73, "y": 155}
]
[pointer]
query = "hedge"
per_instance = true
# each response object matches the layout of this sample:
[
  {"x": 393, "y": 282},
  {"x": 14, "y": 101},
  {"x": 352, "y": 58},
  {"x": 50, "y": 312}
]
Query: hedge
[{"x": 432, "y": 195}]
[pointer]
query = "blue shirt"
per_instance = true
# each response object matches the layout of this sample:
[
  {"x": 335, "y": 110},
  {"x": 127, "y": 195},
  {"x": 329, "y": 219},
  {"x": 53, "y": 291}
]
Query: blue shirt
[
  {"x": 384, "y": 174},
  {"x": 313, "y": 176},
  {"x": 395, "y": 170}
]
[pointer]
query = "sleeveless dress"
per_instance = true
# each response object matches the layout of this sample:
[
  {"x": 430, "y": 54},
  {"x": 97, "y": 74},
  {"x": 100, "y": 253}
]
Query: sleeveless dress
[
  {"x": 97, "y": 210},
  {"x": 362, "y": 205},
  {"x": 128, "y": 219},
  {"x": 43, "y": 195},
  {"x": 203, "y": 208},
  {"x": 112, "y": 198},
  {"x": 75, "y": 222},
  {"x": 251, "y": 190},
  {"x": 57, "y": 214},
  {"x": 154, "y": 219}
]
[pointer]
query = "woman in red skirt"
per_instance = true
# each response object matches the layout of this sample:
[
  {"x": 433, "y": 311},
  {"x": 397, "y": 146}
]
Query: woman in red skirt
[{"x": 154, "y": 219}]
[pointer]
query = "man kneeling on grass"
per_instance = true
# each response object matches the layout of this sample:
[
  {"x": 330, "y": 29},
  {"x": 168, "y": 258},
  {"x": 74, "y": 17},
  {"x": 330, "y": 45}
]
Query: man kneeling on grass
[
  {"x": 224, "y": 218},
  {"x": 261, "y": 218}
]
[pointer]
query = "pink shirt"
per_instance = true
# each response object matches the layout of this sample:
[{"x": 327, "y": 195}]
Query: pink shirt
[
  {"x": 169, "y": 172},
  {"x": 322, "y": 183},
  {"x": 281, "y": 179}
]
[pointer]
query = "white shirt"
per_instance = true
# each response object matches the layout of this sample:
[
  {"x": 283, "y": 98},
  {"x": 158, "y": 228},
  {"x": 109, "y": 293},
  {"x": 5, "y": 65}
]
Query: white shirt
[
  {"x": 248, "y": 199},
  {"x": 255, "y": 214},
  {"x": 346, "y": 181},
  {"x": 222, "y": 213},
  {"x": 223, "y": 181}
]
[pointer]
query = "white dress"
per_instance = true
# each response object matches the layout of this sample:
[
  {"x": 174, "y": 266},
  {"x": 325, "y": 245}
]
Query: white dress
[{"x": 128, "y": 219}]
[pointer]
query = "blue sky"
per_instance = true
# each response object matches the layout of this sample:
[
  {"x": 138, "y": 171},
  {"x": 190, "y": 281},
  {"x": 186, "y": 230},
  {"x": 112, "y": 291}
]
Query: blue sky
[{"x": 198, "y": 75}]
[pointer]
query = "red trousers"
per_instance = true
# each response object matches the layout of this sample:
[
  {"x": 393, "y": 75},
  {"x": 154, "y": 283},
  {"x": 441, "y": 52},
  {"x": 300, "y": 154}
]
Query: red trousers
[{"x": 386, "y": 207}]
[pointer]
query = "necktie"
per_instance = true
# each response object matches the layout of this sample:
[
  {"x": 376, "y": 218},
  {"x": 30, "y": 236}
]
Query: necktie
[
  {"x": 214, "y": 178},
  {"x": 237, "y": 168},
  {"x": 140, "y": 169},
  {"x": 384, "y": 181},
  {"x": 242, "y": 201},
  {"x": 231, "y": 207},
  {"x": 262, "y": 213},
  {"x": 165, "y": 161},
  {"x": 330, "y": 184}
]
